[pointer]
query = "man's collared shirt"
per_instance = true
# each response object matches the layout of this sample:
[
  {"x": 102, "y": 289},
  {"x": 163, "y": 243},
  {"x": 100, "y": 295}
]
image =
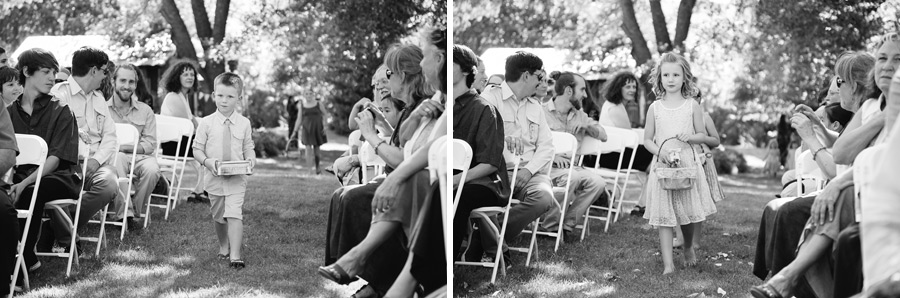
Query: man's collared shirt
[
  {"x": 209, "y": 138},
  {"x": 141, "y": 116},
  {"x": 53, "y": 122},
  {"x": 92, "y": 117},
  {"x": 567, "y": 123},
  {"x": 525, "y": 119}
]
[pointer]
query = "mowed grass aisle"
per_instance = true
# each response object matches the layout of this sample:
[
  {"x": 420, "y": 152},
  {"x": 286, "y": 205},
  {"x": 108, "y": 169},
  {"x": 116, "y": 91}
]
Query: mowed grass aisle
[
  {"x": 284, "y": 228},
  {"x": 626, "y": 263}
]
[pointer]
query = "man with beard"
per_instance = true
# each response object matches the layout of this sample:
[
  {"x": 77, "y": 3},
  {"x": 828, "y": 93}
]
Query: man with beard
[
  {"x": 125, "y": 108},
  {"x": 526, "y": 135},
  {"x": 564, "y": 114}
]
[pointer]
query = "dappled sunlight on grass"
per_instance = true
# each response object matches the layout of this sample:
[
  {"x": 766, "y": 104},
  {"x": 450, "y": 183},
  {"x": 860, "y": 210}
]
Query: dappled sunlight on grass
[
  {"x": 133, "y": 255},
  {"x": 117, "y": 280},
  {"x": 556, "y": 269},
  {"x": 545, "y": 284}
]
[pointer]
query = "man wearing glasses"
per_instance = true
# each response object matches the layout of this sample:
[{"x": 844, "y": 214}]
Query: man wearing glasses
[
  {"x": 95, "y": 128},
  {"x": 526, "y": 135}
]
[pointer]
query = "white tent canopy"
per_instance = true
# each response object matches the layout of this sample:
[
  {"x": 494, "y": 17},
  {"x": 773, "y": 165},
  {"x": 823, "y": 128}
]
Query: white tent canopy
[{"x": 62, "y": 47}]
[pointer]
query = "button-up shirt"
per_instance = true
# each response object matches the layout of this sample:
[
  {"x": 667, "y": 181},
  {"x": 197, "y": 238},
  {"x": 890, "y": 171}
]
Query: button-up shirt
[
  {"x": 92, "y": 117},
  {"x": 567, "y": 122},
  {"x": 523, "y": 118},
  {"x": 209, "y": 138},
  {"x": 141, "y": 116},
  {"x": 52, "y": 121}
]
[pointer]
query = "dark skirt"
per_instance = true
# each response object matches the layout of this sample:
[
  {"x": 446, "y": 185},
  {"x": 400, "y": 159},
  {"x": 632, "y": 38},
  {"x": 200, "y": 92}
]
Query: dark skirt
[
  {"x": 611, "y": 160},
  {"x": 311, "y": 128},
  {"x": 427, "y": 237},
  {"x": 348, "y": 224},
  {"x": 9, "y": 240},
  {"x": 170, "y": 148}
]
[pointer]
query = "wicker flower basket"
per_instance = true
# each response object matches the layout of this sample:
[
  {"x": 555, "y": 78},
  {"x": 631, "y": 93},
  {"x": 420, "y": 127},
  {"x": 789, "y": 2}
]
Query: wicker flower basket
[{"x": 673, "y": 177}]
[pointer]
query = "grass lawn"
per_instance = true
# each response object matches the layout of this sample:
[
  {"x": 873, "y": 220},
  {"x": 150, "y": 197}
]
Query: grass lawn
[
  {"x": 284, "y": 228},
  {"x": 626, "y": 263}
]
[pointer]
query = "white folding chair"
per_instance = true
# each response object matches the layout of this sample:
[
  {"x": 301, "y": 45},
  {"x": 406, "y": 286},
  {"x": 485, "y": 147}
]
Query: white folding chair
[
  {"x": 32, "y": 151},
  {"x": 437, "y": 166},
  {"x": 807, "y": 168},
  {"x": 353, "y": 139},
  {"x": 563, "y": 143},
  {"x": 171, "y": 129},
  {"x": 485, "y": 214},
  {"x": 617, "y": 140},
  {"x": 368, "y": 158},
  {"x": 126, "y": 134},
  {"x": 61, "y": 207}
]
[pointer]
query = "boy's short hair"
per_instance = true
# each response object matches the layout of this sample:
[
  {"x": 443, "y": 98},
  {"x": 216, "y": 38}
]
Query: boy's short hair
[
  {"x": 230, "y": 79},
  {"x": 7, "y": 74},
  {"x": 35, "y": 59},
  {"x": 87, "y": 57}
]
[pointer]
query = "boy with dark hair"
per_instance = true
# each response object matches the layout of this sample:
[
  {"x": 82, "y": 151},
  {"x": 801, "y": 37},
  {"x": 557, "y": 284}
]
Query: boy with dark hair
[
  {"x": 4, "y": 57},
  {"x": 225, "y": 136}
]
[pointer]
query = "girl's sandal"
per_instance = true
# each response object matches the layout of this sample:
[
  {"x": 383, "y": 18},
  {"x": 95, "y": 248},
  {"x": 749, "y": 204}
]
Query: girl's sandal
[{"x": 237, "y": 264}]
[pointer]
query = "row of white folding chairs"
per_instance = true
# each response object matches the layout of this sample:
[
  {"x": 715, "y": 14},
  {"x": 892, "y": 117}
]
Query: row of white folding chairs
[{"x": 126, "y": 134}]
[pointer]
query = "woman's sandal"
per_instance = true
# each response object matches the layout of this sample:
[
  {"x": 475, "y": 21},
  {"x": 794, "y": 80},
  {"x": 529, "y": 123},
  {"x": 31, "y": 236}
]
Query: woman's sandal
[
  {"x": 223, "y": 257},
  {"x": 765, "y": 291},
  {"x": 335, "y": 273},
  {"x": 238, "y": 264}
]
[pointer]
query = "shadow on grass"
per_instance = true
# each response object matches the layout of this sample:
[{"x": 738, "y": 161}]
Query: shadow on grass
[{"x": 285, "y": 211}]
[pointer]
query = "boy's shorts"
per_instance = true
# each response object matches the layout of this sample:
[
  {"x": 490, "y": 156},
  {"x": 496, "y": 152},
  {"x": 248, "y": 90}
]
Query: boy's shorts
[{"x": 229, "y": 206}]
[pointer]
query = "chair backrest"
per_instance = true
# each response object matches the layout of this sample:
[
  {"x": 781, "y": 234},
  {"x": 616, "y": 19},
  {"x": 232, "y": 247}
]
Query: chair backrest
[
  {"x": 627, "y": 137},
  {"x": 185, "y": 126},
  {"x": 167, "y": 132},
  {"x": 32, "y": 150},
  {"x": 127, "y": 134},
  {"x": 462, "y": 155},
  {"x": 640, "y": 134},
  {"x": 368, "y": 158},
  {"x": 806, "y": 168},
  {"x": 564, "y": 143}
]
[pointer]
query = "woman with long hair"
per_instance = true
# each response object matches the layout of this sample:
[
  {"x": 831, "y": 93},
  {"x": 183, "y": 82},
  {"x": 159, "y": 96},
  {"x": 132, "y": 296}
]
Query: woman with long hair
[{"x": 180, "y": 82}]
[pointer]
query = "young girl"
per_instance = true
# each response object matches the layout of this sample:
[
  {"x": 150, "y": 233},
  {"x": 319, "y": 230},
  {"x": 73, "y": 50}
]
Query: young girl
[{"x": 673, "y": 131}]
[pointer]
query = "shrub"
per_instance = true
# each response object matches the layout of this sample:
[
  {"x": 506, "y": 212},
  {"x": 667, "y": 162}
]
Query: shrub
[
  {"x": 268, "y": 144},
  {"x": 729, "y": 159}
]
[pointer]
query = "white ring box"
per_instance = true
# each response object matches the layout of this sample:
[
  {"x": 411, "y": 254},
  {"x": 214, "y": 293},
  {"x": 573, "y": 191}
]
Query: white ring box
[{"x": 229, "y": 168}]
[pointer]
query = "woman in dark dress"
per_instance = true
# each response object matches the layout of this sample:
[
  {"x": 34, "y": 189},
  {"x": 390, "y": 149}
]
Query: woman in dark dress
[{"x": 310, "y": 125}]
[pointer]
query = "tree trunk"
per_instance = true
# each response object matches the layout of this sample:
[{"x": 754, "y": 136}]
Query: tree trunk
[
  {"x": 180, "y": 36},
  {"x": 201, "y": 19},
  {"x": 218, "y": 33},
  {"x": 639, "y": 50},
  {"x": 685, "y": 10},
  {"x": 663, "y": 41}
]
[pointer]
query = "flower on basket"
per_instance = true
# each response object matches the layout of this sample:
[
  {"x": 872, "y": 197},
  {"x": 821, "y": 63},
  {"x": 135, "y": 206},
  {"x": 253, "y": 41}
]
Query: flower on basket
[{"x": 674, "y": 157}]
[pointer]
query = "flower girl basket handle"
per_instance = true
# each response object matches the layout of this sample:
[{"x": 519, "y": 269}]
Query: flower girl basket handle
[{"x": 677, "y": 178}]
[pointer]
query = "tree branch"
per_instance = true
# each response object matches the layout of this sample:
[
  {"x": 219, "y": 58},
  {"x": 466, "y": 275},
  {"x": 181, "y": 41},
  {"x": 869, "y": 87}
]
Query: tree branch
[
  {"x": 663, "y": 42},
  {"x": 201, "y": 19},
  {"x": 180, "y": 36},
  {"x": 218, "y": 33},
  {"x": 639, "y": 50},
  {"x": 683, "y": 24}
]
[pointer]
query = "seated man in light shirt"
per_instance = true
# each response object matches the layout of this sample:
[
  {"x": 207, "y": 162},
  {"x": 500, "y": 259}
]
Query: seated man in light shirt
[
  {"x": 527, "y": 135},
  {"x": 125, "y": 108},
  {"x": 564, "y": 114},
  {"x": 95, "y": 128}
]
